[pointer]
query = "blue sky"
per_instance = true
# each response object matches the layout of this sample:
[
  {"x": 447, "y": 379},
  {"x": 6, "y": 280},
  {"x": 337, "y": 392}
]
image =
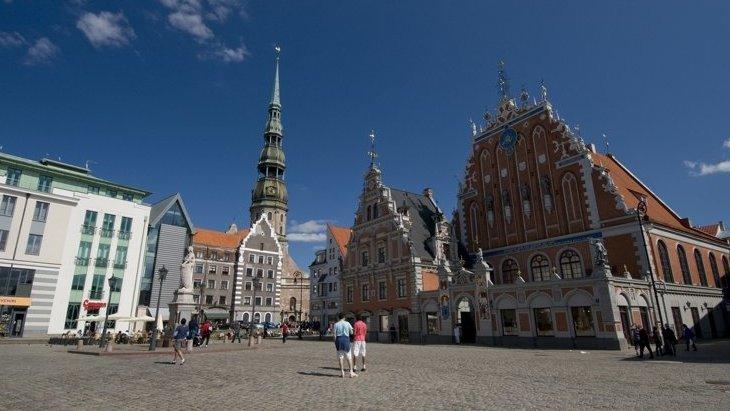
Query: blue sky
[{"x": 171, "y": 95}]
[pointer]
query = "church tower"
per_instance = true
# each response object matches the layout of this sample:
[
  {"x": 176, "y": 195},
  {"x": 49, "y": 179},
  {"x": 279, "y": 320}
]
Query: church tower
[{"x": 269, "y": 196}]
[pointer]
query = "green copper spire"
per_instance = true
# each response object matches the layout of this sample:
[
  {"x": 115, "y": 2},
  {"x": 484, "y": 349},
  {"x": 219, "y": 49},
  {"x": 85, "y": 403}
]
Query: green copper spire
[{"x": 269, "y": 197}]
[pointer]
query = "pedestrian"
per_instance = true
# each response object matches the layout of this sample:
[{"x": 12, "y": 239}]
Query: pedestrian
[
  {"x": 670, "y": 341},
  {"x": 359, "y": 346},
  {"x": 635, "y": 338},
  {"x": 342, "y": 331},
  {"x": 205, "y": 330},
  {"x": 657, "y": 337},
  {"x": 644, "y": 342},
  {"x": 689, "y": 337},
  {"x": 194, "y": 327},
  {"x": 284, "y": 332},
  {"x": 393, "y": 334},
  {"x": 457, "y": 334},
  {"x": 236, "y": 332},
  {"x": 180, "y": 336}
]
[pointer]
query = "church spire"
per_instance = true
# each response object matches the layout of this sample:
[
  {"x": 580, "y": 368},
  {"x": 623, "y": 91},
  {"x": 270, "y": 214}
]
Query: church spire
[
  {"x": 273, "y": 124},
  {"x": 275, "y": 92}
]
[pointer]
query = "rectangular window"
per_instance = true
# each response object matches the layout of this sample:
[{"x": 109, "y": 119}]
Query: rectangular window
[
  {"x": 209, "y": 299},
  {"x": 112, "y": 193},
  {"x": 196, "y": 298},
  {"x": 3, "y": 239},
  {"x": 40, "y": 213},
  {"x": 97, "y": 287},
  {"x": 334, "y": 286},
  {"x": 246, "y": 300},
  {"x": 82, "y": 256},
  {"x": 224, "y": 285},
  {"x": 222, "y": 300},
  {"x": 260, "y": 273},
  {"x": 252, "y": 258},
  {"x": 225, "y": 270},
  {"x": 214, "y": 255},
  {"x": 94, "y": 190},
  {"x": 227, "y": 256},
  {"x": 44, "y": 183},
  {"x": 270, "y": 287},
  {"x": 102, "y": 255},
  {"x": 200, "y": 254},
  {"x": 212, "y": 269},
  {"x": 270, "y": 260},
  {"x": 196, "y": 284},
  {"x": 365, "y": 292},
  {"x": 89, "y": 222},
  {"x": 259, "y": 286},
  {"x": 432, "y": 323},
  {"x": 509, "y": 322},
  {"x": 350, "y": 294},
  {"x": 125, "y": 228},
  {"x": 401, "y": 287},
  {"x": 249, "y": 286},
  {"x": 7, "y": 207},
  {"x": 34, "y": 244},
  {"x": 72, "y": 314},
  {"x": 249, "y": 272},
  {"x": 384, "y": 323},
  {"x": 382, "y": 290},
  {"x": 258, "y": 300},
  {"x": 199, "y": 269},
  {"x": 117, "y": 285},
  {"x": 107, "y": 226},
  {"x": 270, "y": 273},
  {"x": 78, "y": 282},
  {"x": 381, "y": 254},
  {"x": 543, "y": 321},
  {"x": 211, "y": 284},
  {"x": 364, "y": 258},
  {"x": 120, "y": 258},
  {"x": 269, "y": 301},
  {"x": 583, "y": 321},
  {"x": 261, "y": 259},
  {"x": 127, "y": 197},
  {"x": 13, "y": 178}
]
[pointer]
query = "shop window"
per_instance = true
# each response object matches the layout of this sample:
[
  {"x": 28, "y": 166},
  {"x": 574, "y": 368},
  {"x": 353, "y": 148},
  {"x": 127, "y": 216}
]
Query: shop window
[
  {"x": 543, "y": 322},
  {"x": 432, "y": 323},
  {"x": 509, "y": 321},
  {"x": 384, "y": 323},
  {"x": 583, "y": 321}
]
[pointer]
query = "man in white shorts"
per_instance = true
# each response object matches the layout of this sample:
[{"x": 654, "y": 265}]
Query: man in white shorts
[
  {"x": 359, "y": 346},
  {"x": 342, "y": 333}
]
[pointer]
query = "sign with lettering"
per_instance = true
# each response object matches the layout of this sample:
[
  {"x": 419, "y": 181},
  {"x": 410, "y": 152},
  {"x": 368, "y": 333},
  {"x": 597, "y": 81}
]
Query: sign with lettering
[
  {"x": 15, "y": 301},
  {"x": 93, "y": 305}
]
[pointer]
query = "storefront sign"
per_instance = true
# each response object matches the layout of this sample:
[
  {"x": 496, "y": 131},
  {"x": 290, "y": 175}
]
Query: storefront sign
[
  {"x": 93, "y": 305},
  {"x": 15, "y": 301}
]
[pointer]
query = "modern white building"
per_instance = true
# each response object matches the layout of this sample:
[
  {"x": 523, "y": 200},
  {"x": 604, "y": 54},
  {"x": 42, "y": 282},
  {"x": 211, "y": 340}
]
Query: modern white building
[
  {"x": 63, "y": 234},
  {"x": 325, "y": 295}
]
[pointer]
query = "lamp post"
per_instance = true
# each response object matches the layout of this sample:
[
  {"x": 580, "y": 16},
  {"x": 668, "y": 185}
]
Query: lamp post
[
  {"x": 256, "y": 282},
  {"x": 200, "y": 300},
  {"x": 640, "y": 212},
  {"x": 112, "y": 284},
  {"x": 301, "y": 293},
  {"x": 153, "y": 341}
]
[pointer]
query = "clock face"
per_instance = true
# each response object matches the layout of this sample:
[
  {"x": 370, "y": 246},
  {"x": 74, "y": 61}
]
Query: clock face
[
  {"x": 270, "y": 190},
  {"x": 508, "y": 140}
]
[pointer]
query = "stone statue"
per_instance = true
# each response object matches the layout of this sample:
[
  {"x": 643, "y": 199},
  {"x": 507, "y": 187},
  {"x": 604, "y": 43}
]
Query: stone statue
[
  {"x": 479, "y": 255},
  {"x": 601, "y": 253},
  {"x": 186, "y": 271}
]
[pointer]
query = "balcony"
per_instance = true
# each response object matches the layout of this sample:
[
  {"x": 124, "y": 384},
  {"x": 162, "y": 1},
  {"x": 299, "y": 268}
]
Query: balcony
[
  {"x": 107, "y": 233},
  {"x": 82, "y": 261},
  {"x": 96, "y": 294},
  {"x": 120, "y": 265},
  {"x": 124, "y": 235},
  {"x": 102, "y": 262},
  {"x": 88, "y": 229}
]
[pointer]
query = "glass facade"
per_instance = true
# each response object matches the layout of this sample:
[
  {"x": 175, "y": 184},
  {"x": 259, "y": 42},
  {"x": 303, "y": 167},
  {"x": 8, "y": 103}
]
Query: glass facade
[{"x": 16, "y": 281}]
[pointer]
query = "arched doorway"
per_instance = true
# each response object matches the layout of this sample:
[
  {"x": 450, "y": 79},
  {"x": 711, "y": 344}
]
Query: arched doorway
[
  {"x": 245, "y": 317},
  {"x": 257, "y": 318},
  {"x": 267, "y": 317},
  {"x": 465, "y": 315}
]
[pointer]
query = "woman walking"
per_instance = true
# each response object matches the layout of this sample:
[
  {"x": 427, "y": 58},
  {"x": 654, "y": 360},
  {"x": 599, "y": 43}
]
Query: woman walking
[{"x": 180, "y": 336}]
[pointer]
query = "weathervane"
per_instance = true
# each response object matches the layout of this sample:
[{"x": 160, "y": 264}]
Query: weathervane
[
  {"x": 372, "y": 154},
  {"x": 277, "y": 48},
  {"x": 605, "y": 142},
  {"x": 502, "y": 81},
  {"x": 543, "y": 90}
]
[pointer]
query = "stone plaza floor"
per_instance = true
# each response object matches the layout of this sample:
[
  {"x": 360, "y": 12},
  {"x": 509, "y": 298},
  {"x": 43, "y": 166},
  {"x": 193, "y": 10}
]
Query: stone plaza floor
[{"x": 302, "y": 375}]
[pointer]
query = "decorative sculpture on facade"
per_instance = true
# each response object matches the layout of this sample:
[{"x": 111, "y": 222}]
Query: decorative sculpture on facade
[{"x": 186, "y": 271}]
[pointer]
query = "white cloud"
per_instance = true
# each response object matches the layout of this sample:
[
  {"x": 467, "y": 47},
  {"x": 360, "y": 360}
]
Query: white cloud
[
  {"x": 8, "y": 40},
  {"x": 190, "y": 23},
  {"x": 106, "y": 29},
  {"x": 311, "y": 231},
  {"x": 221, "y": 9},
  {"x": 225, "y": 54},
  {"x": 307, "y": 237},
  {"x": 41, "y": 52},
  {"x": 703, "y": 169}
]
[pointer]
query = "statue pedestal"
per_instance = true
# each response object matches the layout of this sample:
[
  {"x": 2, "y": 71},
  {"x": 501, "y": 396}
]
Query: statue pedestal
[{"x": 182, "y": 306}]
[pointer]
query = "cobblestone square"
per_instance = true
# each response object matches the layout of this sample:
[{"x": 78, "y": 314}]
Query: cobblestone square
[{"x": 399, "y": 376}]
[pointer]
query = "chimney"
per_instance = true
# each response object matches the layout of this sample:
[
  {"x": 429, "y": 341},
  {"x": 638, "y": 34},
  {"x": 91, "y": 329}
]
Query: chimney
[{"x": 232, "y": 229}]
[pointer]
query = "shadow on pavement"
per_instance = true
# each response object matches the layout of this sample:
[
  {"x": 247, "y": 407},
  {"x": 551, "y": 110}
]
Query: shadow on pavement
[
  {"x": 710, "y": 351},
  {"x": 318, "y": 374}
]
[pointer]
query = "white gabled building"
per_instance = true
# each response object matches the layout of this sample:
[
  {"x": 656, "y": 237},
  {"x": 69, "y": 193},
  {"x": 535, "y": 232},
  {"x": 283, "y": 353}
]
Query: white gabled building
[{"x": 325, "y": 291}]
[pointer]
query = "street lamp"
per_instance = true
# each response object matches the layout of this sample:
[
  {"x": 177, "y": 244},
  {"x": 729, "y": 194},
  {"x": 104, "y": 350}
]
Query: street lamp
[
  {"x": 641, "y": 209},
  {"x": 200, "y": 300},
  {"x": 112, "y": 285},
  {"x": 301, "y": 291},
  {"x": 153, "y": 341},
  {"x": 256, "y": 282}
]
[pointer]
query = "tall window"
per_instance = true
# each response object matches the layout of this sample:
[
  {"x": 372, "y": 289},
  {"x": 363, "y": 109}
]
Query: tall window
[
  {"x": 94, "y": 190},
  {"x": 72, "y": 314},
  {"x": 365, "y": 292},
  {"x": 120, "y": 258},
  {"x": 364, "y": 258},
  {"x": 570, "y": 264},
  {"x": 41, "y": 211},
  {"x": 102, "y": 255},
  {"x": 664, "y": 260},
  {"x": 349, "y": 293},
  {"x": 701, "y": 268},
  {"x": 382, "y": 290},
  {"x": 125, "y": 228},
  {"x": 7, "y": 207},
  {"x": 381, "y": 254},
  {"x": 509, "y": 271},
  {"x": 270, "y": 273},
  {"x": 13, "y": 177},
  {"x": 540, "y": 268},
  {"x": 44, "y": 183},
  {"x": 473, "y": 216},
  {"x": 3, "y": 239},
  {"x": 726, "y": 269},
  {"x": 400, "y": 285},
  {"x": 107, "y": 226},
  {"x": 34, "y": 244},
  {"x": 715, "y": 270},
  {"x": 683, "y": 264},
  {"x": 249, "y": 272}
]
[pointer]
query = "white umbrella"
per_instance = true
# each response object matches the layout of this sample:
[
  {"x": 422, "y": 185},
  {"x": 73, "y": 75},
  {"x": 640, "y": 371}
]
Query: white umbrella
[
  {"x": 91, "y": 318},
  {"x": 118, "y": 317},
  {"x": 142, "y": 319}
]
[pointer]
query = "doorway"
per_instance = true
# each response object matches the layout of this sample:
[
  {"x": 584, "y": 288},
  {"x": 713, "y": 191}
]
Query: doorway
[
  {"x": 711, "y": 319},
  {"x": 16, "y": 324},
  {"x": 468, "y": 326},
  {"x": 623, "y": 312},
  {"x": 696, "y": 321},
  {"x": 403, "y": 328}
]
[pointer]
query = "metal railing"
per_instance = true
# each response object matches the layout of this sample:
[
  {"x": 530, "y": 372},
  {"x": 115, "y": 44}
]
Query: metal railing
[
  {"x": 82, "y": 261},
  {"x": 124, "y": 235},
  {"x": 107, "y": 233},
  {"x": 120, "y": 264},
  {"x": 102, "y": 262},
  {"x": 88, "y": 229}
]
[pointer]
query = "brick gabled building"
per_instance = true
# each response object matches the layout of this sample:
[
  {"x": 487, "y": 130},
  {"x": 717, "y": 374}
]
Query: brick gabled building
[
  {"x": 397, "y": 239},
  {"x": 572, "y": 264}
]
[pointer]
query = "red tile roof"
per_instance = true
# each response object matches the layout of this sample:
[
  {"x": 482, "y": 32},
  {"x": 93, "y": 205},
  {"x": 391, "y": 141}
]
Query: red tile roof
[
  {"x": 632, "y": 189},
  {"x": 711, "y": 229},
  {"x": 341, "y": 236},
  {"x": 213, "y": 238}
]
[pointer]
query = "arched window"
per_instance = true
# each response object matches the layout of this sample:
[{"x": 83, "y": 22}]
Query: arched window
[
  {"x": 571, "y": 197},
  {"x": 246, "y": 317},
  {"x": 664, "y": 260},
  {"x": 267, "y": 317},
  {"x": 509, "y": 271},
  {"x": 540, "y": 268},
  {"x": 700, "y": 268},
  {"x": 570, "y": 264},
  {"x": 257, "y": 318},
  {"x": 293, "y": 304},
  {"x": 473, "y": 216},
  {"x": 370, "y": 212},
  {"x": 715, "y": 270},
  {"x": 683, "y": 265},
  {"x": 726, "y": 269},
  {"x": 269, "y": 215}
]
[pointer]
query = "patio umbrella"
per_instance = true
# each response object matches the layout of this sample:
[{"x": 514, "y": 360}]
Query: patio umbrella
[
  {"x": 142, "y": 319},
  {"x": 118, "y": 317},
  {"x": 91, "y": 318}
]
